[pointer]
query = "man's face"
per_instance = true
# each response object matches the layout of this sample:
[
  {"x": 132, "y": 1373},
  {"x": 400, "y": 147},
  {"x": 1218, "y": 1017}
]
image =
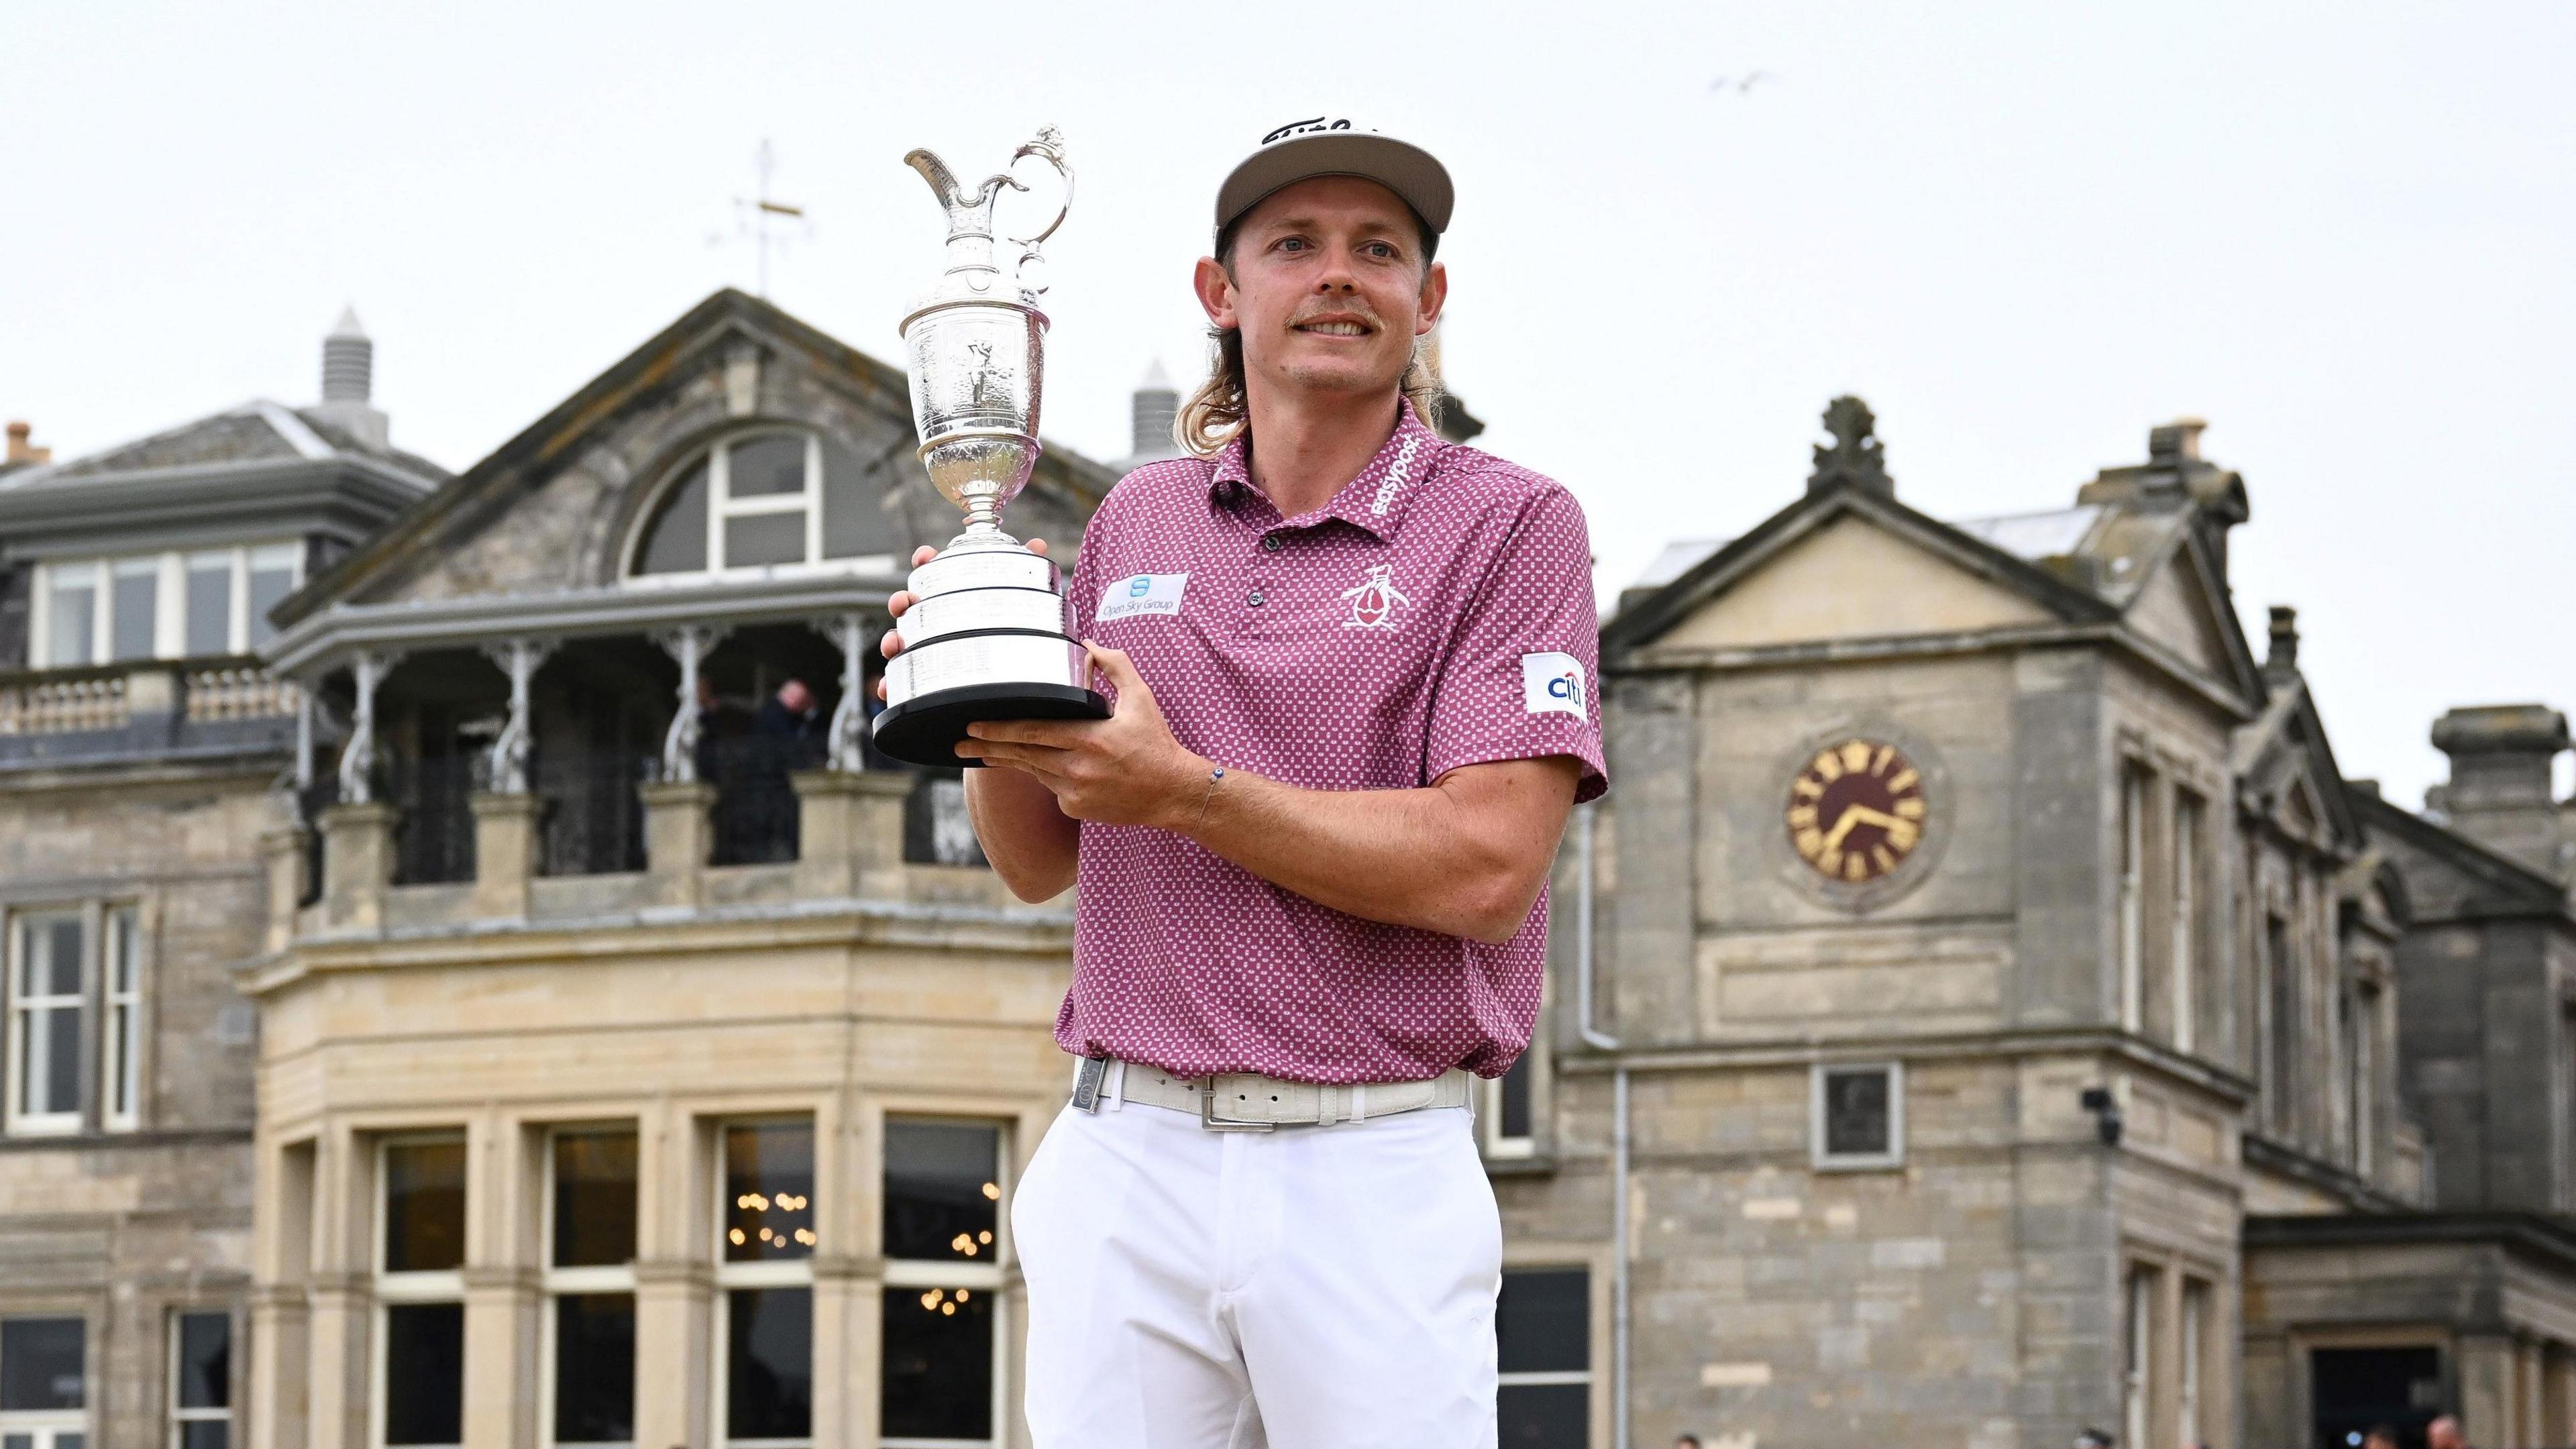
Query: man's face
[
  {"x": 1328, "y": 284},
  {"x": 2444, "y": 1433},
  {"x": 796, "y": 696}
]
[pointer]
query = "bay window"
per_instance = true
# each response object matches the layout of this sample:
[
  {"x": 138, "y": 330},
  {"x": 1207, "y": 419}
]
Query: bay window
[
  {"x": 590, "y": 1286},
  {"x": 942, "y": 1226},
  {"x": 765, "y": 1284},
  {"x": 160, "y": 605},
  {"x": 420, "y": 1291}
]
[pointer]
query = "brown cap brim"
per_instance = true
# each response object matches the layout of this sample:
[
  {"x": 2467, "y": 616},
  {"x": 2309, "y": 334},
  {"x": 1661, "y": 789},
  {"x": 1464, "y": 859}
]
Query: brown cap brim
[{"x": 1400, "y": 166}]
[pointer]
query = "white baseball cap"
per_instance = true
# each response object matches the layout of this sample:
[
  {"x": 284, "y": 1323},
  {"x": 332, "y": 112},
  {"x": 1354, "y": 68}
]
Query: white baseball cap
[{"x": 1322, "y": 147}]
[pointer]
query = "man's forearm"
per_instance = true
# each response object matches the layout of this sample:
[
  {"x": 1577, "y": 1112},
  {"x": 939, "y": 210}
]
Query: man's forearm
[
  {"x": 1454, "y": 858},
  {"x": 1030, "y": 842}
]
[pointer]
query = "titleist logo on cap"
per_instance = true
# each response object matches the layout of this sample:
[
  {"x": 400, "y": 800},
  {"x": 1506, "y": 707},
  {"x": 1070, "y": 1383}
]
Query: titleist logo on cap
[{"x": 1300, "y": 128}]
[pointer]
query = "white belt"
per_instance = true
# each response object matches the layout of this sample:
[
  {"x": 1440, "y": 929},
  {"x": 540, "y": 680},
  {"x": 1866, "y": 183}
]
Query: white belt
[{"x": 1251, "y": 1102}]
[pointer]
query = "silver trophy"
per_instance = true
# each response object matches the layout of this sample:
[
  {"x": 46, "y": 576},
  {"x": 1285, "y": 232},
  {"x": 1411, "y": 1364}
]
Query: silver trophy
[{"x": 985, "y": 636}]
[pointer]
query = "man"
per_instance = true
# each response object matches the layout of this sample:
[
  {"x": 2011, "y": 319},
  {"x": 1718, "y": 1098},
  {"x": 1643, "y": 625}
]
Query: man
[
  {"x": 2380, "y": 1436},
  {"x": 2445, "y": 1433},
  {"x": 1351, "y": 667}
]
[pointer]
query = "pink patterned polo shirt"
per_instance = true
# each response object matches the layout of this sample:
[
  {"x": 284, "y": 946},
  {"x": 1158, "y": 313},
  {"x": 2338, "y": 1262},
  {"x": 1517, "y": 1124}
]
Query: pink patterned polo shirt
[{"x": 1436, "y": 613}]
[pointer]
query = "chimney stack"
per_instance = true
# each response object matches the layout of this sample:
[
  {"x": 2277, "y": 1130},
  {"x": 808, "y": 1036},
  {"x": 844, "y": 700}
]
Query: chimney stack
[
  {"x": 2176, "y": 442},
  {"x": 2284, "y": 658},
  {"x": 21, "y": 452},
  {"x": 1157, "y": 407},
  {"x": 348, "y": 383},
  {"x": 2499, "y": 792}
]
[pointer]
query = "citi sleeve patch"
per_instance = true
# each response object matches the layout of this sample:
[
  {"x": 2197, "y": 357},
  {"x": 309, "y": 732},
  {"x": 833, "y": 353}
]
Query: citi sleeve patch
[{"x": 1553, "y": 684}]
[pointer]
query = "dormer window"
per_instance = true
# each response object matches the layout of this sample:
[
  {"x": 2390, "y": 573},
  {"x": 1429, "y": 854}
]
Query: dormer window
[{"x": 758, "y": 501}]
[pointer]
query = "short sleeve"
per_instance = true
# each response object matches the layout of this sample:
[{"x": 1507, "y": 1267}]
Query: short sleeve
[{"x": 1520, "y": 679}]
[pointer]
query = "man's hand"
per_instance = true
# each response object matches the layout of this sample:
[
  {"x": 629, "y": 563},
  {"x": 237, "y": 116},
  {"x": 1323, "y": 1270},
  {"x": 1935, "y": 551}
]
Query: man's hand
[
  {"x": 1123, "y": 770},
  {"x": 902, "y": 599}
]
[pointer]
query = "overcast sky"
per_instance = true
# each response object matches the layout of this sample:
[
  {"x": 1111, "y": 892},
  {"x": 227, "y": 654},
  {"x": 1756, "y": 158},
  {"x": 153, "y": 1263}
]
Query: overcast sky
[{"x": 2024, "y": 233}]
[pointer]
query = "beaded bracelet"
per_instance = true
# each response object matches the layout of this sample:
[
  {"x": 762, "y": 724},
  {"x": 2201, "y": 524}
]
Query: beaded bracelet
[{"x": 1215, "y": 775}]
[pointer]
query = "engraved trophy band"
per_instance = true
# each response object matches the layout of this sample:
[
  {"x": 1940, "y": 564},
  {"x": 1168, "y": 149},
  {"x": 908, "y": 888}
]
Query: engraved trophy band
[{"x": 984, "y": 638}]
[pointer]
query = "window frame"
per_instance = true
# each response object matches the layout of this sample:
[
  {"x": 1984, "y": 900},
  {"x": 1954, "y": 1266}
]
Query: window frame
[
  {"x": 170, "y": 603},
  {"x": 984, "y": 1277},
  {"x": 2129, "y": 919},
  {"x": 178, "y": 1417},
  {"x": 47, "y": 1426},
  {"x": 555, "y": 1282},
  {"x": 2187, "y": 908},
  {"x": 121, "y": 1033},
  {"x": 407, "y": 1288},
  {"x": 16, "y": 1055},
  {"x": 1550, "y": 1378},
  {"x": 1489, "y": 1110},
  {"x": 2141, "y": 1316},
  {"x": 1823, "y": 1160},
  {"x": 722, "y": 506},
  {"x": 728, "y": 1276}
]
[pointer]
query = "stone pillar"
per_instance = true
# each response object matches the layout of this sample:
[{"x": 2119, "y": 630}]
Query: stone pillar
[
  {"x": 2486, "y": 1369},
  {"x": 280, "y": 1366},
  {"x": 2531, "y": 1397},
  {"x": 679, "y": 831},
  {"x": 505, "y": 854},
  {"x": 847, "y": 1319},
  {"x": 674, "y": 1282},
  {"x": 852, "y": 827},
  {"x": 500, "y": 1358},
  {"x": 357, "y": 865},
  {"x": 282, "y": 853}
]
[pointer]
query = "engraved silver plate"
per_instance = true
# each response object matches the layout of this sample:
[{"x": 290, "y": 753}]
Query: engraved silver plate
[
  {"x": 988, "y": 568},
  {"x": 944, "y": 614},
  {"x": 985, "y": 659}
]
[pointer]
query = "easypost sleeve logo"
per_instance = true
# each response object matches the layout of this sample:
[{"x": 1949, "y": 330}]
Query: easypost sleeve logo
[
  {"x": 1553, "y": 684},
  {"x": 1142, "y": 594}
]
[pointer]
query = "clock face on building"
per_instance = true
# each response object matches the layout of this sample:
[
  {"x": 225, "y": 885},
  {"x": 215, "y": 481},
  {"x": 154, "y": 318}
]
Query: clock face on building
[{"x": 1857, "y": 811}]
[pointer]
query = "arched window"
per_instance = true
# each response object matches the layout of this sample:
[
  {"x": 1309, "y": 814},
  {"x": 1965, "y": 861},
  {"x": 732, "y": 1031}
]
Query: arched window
[{"x": 763, "y": 500}]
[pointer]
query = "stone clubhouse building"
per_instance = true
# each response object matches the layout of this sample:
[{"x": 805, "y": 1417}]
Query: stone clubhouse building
[{"x": 442, "y": 1009}]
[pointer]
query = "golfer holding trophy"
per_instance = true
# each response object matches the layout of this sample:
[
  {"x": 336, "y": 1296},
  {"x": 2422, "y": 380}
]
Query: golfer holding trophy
[{"x": 1347, "y": 671}]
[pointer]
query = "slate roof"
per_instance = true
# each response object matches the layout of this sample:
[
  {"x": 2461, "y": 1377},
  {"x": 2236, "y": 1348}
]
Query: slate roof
[{"x": 255, "y": 432}]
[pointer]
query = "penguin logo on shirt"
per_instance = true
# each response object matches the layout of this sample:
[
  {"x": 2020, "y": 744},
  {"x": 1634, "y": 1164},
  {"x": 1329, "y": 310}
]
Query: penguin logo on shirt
[{"x": 1373, "y": 600}]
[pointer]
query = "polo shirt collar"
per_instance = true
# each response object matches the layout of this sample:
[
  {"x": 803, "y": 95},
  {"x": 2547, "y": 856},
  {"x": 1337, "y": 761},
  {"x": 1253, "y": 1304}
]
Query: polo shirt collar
[{"x": 1373, "y": 501}]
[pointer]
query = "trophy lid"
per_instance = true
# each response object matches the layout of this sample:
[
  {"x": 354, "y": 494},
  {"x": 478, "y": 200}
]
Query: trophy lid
[{"x": 974, "y": 273}]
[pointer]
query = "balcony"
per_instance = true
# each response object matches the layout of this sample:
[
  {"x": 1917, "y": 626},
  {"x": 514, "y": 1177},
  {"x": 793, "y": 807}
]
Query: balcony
[
  {"x": 145, "y": 710},
  {"x": 467, "y": 775}
]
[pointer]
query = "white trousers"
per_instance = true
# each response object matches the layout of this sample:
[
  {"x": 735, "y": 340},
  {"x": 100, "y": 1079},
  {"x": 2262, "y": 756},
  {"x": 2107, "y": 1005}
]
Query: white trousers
[{"x": 1309, "y": 1288}]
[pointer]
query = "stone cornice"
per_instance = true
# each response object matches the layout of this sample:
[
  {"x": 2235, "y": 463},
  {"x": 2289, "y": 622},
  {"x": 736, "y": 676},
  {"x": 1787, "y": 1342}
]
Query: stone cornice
[
  {"x": 1881, "y": 1046},
  {"x": 1037, "y": 934},
  {"x": 322, "y": 640},
  {"x": 167, "y": 504}
]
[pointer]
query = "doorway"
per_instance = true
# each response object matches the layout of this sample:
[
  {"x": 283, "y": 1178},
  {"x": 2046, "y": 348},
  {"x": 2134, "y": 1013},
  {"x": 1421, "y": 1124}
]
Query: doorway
[{"x": 2351, "y": 1389}]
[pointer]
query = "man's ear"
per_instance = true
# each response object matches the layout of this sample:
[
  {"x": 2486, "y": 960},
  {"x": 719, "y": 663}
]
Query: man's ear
[
  {"x": 1216, "y": 293},
  {"x": 1435, "y": 295}
]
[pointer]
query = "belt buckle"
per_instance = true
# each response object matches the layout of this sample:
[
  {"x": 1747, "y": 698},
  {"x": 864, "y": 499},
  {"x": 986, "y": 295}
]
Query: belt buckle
[{"x": 1214, "y": 1123}]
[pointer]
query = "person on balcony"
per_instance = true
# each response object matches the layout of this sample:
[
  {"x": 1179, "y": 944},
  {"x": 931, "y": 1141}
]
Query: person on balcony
[{"x": 1350, "y": 665}]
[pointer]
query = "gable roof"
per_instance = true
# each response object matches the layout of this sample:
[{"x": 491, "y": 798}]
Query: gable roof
[
  {"x": 2285, "y": 749},
  {"x": 2498, "y": 884},
  {"x": 1639, "y": 622},
  {"x": 690, "y": 344}
]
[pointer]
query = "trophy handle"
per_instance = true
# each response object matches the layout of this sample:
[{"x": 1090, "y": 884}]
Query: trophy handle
[{"x": 1049, "y": 147}]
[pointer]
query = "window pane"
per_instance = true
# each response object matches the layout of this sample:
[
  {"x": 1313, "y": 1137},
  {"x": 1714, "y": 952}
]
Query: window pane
[
  {"x": 138, "y": 593},
  {"x": 120, "y": 950},
  {"x": 769, "y": 1191},
  {"x": 73, "y": 610},
  {"x": 1543, "y": 1416},
  {"x": 594, "y": 1368},
  {"x": 205, "y": 1434},
  {"x": 210, "y": 603},
  {"x": 424, "y": 1373},
  {"x": 120, "y": 1059},
  {"x": 938, "y": 1378},
  {"x": 43, "y": 1363},
  {"x": 855, "y": 518},
  {"x": 54, "y": 1077},
  {"x": 53, "y": 961},
  {"x": 676, "y": 540},
  {"x": 764, "y": 538},
  {"x": 594, "y": 1198},
  {"x": 766, "y": 466},
  {"x": 1543, "y": 1322},
  {"x": 942, "y": 1196},
  {"x": 205, "y": 1361},
  {"x": 1856, "y": 1114},
  {"x": 424, "y": 1209},
  {"x": 272, "y": 577},
  {"x": 1515, "y": 1114},
  {"x": 769, "y": 1363}
]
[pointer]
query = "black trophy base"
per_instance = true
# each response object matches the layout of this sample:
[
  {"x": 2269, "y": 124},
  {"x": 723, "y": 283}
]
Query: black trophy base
[{"x": 925, "y": 730}]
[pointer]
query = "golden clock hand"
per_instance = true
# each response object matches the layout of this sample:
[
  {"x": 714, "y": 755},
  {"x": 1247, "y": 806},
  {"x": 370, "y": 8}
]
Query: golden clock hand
[{"x": 1842, "y": 826}]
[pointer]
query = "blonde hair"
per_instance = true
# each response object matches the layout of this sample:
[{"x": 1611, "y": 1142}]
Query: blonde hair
[{"x": 1215, "y": 414}]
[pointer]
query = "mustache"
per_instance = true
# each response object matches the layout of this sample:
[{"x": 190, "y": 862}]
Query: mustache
[{"x": 1351, "y": 308}]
